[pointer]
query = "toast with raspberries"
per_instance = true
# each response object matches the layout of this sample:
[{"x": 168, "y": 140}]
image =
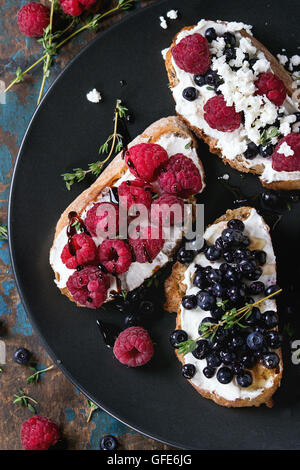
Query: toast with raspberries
[
  {"x": 230, "y": 351},
  {"x": 159, "y": 168},
  {"x": 236, "y": 96}
]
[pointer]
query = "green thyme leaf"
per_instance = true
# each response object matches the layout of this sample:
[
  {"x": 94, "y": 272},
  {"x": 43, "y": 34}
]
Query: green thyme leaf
[{"x": 187, "y": 346}]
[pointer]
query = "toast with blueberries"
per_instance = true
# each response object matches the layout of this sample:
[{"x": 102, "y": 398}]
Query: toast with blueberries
[
  {"x": 236, "y": 96},
  {"x": 226, "y": 333},
  {"x": 160, "y": 167}
]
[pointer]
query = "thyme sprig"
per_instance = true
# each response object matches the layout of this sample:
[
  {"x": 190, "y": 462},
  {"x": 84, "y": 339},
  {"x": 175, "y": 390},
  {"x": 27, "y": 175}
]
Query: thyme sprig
[
  {"x": 3, "y": 232},
  {"x": 49, "y": 48},
  {"x": 24, "y": 400},
  {"x": 91, "y": 23},
  {"x": 93, "y": 408},
  {"x": 230, "y": 318},
  {"x": 35, "y": 377},
  {"x": 113, "y": 144},
  {"x": 267, "y": 135}
]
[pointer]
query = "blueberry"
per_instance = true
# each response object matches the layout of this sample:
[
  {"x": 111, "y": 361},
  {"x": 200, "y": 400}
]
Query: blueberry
[
  {"x": 254, "y": 275},
  {"x": 200, "y": 280},
  {"x": 242, "y": 253},
  {"x": 22, "y": 356},
  {"x": 237, "y": 367},
  {"x": 246, "y": 266},
  {"x": 256, "y": 287},
  {"x": 177, "y": 337},
  {"x": 146, "y": 307},
  {"x": 131, "y": 320},
  {"x": 217, "y": 313},
  {"x": 255, "y": 341},
  {"x": 224, "y": 375},
  {"x": 189, "y": 302},
  {"x": 259, "y": 354},
  {"x": 270, "y": 198},
  {"x": 260, "y": 256},
  {"x": 199, "y": 80},
  {"x": 270, "y": 360},
  {"x": 244, "y": 379},
  {"x": 108, "y": 443},
  {"x": 212, "y": 253},
  {"x": 217, "y": 289},
  {"x": 202, "y": 349},
  {"x": 249, "y": 300},
  {"x": 230, "y": 235},
  {"x": 245, "y": 241},
  {"x": 235, "y": 293},
  {"x": 232, "y": 276},
  {"x": 252, "y": 150},
  {"x": 229, "y": 38},
  {"x": 190, "y": 93},
  {"x": 254, "y": 317},
  {"x": 208, "y": 320},
  {"x": 269, "y": 319},
  {"x": 214, "y": 275},
  {"x": 230, "y": 53},
  {"x": 227, "y": 357},
  {"x": 213, "y": 359},
  {"x": 271, "y": 290},
  {"x": 185, "y": 256},
  {"x": 236, "y": 224},
  {"x": 247, "y": 360},
  {"x": 213, "y": 79},
  {"x": 223, "y": 267},
  {"x": 209, "y": 372},
  {"x": 205, "y": 300},
  {"x": 188, "y": 371},
  {"x": 228, "y": 256},
  {"x": 220, "y": 243},
  {"x": 273, "y": 339},
  {"x": 236, "y": 342},
  {"x": 267, "y": 151},
  {"x": 210, "y": 34}
]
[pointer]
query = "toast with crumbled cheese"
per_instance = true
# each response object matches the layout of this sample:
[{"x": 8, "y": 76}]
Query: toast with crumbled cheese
[
  {"x": 237, "y": 79},
  {"x": 180, "y": 283},
  {"x": 174, "y": 136}
]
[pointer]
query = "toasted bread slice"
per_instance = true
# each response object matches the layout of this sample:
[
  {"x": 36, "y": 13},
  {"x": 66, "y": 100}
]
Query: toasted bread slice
[
  {"x": 174, "y": 136},
  {"x": 265, "y": 381},
  {"x": 194, "y": 115}
]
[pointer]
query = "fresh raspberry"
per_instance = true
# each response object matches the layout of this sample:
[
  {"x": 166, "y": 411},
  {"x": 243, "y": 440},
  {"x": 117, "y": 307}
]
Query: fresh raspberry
[
  {"x": 291, "y": 163},
  {"x": 270, "y": 85},
  {"x": 99, "y": 218},
  {"x": 75, "y": 7},
  {"x": 33, "y": 18},
  {"x": 85, "y": 251},
  {"x": 146, "y": 248},
  {"x": 39, "y": 433},
  {"x": 180, "y": 176},
  {"x": 135, "y": 192},
  {"x": 144, "y": 160},
  {"x": 160, "y": 210},
  {"x": 133, "y": 347},
  {"x": 88, "y": 286},
  {"x": 220, "y": 116},
  {"x": 192, "y": 54},
  {"x": 115, "y": 255}
]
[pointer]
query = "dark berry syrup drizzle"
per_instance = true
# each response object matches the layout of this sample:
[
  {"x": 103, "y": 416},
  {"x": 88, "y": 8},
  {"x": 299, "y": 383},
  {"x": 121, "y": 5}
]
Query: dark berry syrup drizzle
[
  {"x": 71, "y": 230},
  {"x": 109, "y": 332}
]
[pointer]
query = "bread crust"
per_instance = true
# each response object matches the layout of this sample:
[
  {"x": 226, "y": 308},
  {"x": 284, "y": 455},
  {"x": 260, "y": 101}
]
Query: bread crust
[
  {"x": 117, "y": 168},
  {"x": 238, "y": 162},
  {"x": 175, "y": 289}
]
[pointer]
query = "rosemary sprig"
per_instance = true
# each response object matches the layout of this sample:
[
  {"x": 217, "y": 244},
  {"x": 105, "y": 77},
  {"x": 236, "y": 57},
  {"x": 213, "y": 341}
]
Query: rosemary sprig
[
  {"x": 113, "y": 144},
  {"x": 93, "y": 23},
  {"x": 267, "y": 135},
  {"x": 24, "y": 400},
  {"x": 93, "y": 408},
  {"x": 3, "y": 232},
  {"x": 229, "y": 319},
  {"x": 35, "y": 377}
]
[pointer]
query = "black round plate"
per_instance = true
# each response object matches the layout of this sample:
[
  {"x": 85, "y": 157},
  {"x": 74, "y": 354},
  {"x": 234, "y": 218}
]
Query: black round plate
[{"x": 65, "y": 133}]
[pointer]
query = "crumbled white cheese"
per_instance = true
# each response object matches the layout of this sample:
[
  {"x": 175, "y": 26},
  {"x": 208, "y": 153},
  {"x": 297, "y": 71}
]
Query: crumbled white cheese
[
  {"x": 164, "y": 53},
  {"x": 224, "y": 177},
  {"x": 94, "y": 96},
  {"x": 172, "y": 14},
  {"x": 294, "y": 61},
  {"x": 283, "y": 59},
  {"x": 163, "y": 23},
  {"x": 285, "y": 150},
  {"x": 285, "y": 124}
]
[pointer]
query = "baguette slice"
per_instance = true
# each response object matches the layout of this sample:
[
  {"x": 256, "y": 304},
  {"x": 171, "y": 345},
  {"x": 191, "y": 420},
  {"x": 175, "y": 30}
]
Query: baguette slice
[
  {"x": 240, "y": 163},
  {"x": 265, "y": 381},
  {"x": 175, "y": 135}
]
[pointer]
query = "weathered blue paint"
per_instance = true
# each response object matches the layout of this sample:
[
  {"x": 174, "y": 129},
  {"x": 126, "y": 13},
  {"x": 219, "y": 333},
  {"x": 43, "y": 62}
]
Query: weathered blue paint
[
  {"x": 105, "y": 424},
  {"x": 70, "y": 414},
  {"x": 22, "y": 325}
]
